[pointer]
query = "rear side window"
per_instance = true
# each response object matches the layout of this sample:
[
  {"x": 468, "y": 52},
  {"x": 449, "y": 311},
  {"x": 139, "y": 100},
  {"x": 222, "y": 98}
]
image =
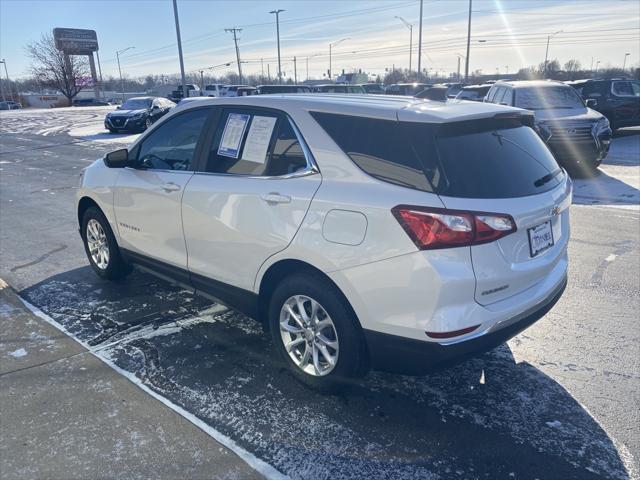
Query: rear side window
[
  {"x": 497, "y": 163},
  {"x": 379, "y": 147},
  {"x": 248, "y": 142}
]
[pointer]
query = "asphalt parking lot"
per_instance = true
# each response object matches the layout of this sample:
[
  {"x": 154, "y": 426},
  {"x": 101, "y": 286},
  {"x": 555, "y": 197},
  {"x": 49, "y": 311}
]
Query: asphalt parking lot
[{"x": 559, "y": 401}]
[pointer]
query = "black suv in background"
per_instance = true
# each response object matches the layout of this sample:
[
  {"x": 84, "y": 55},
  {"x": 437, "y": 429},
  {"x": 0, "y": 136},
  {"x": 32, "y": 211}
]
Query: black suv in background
[
  {"x": 616, "y": 99},
  {"x": 578, "y": 136},
  {"x": 137, "y": 114}
]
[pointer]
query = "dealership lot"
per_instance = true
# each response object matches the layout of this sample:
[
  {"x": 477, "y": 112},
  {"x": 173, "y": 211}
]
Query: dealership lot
[{"x": 558, "y": 401}]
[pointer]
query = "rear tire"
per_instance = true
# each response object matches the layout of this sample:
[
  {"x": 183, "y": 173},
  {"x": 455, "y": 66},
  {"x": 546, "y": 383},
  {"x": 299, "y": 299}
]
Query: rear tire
[
  {"x": 326, "y": 329},
  {"x": 101, "y": 247}
]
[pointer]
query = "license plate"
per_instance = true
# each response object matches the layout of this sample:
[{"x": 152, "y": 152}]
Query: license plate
[{"x": 540, "y": 238}]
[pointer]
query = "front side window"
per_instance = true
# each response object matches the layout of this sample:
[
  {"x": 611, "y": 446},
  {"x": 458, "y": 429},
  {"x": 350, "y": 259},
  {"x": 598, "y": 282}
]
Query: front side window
[
  {"x": 256, "y": 143},
  {"x": 379, "y": 147},
  {"x": 172, "y": 145},
  {"x": 626, "y": 89}
]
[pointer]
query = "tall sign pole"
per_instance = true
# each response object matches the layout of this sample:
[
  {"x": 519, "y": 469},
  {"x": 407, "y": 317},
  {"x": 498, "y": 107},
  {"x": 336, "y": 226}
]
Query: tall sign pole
[{"x": 185, "y": 91}]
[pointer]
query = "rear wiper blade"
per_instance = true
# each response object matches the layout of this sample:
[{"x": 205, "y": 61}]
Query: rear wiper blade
[{"x": 547, "y": 178}]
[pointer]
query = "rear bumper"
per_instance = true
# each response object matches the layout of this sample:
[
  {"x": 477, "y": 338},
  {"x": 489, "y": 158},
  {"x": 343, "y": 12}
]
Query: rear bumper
[{"x": 404, "y": 355}]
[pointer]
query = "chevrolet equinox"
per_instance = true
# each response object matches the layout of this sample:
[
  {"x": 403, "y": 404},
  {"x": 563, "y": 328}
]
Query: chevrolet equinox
[{"x": 364, "y": 231}]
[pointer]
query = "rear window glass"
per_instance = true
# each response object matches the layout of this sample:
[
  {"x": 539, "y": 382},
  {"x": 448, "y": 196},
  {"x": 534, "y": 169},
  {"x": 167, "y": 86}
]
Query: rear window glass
[
  {"x": 500, "y": 163},
  {"x": 379, "y": 147},
  {"x": 487, "y": 159}
]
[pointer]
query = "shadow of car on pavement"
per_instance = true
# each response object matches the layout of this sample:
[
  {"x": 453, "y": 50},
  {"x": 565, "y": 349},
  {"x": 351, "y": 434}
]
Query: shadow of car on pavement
[{"x": 489, "y": 417}]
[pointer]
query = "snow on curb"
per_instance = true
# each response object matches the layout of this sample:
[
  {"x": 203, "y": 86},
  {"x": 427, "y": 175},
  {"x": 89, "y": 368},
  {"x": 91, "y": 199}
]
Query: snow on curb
[{"x": 259, "y": 465}]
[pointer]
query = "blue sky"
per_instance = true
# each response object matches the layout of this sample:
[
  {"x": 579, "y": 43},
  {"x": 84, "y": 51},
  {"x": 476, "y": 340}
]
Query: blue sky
[{"x": 514, "y": 33}]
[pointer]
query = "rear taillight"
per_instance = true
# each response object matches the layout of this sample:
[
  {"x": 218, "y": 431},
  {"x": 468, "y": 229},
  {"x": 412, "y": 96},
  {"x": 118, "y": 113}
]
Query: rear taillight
[{"x": 432, "y": 228}]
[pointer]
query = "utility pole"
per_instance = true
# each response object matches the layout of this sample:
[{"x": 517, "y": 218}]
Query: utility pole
[
  {"x": 546, "y": 54},
  {"x": 295, "y": 71},
  {"x": 624, "y": 64},
  {"x": 11, "y": 90},
  {"x": 118, "y": 52},
  {"x": 201, "y": 79},
  {"x": 268, "y": 73},
  {"x": 410, "y": 27},
  {"x": 307, "y": 69},
  {"x": 420, "y": 44},
  {"x": 262, "y": 70},
  {"x": 235, "y": 30},
  {"x": 458, "y": 76},
  {"x": 277, "y": 12},
  {"x": 466, "y": 60},
  {"x": 185, "y": 92}
]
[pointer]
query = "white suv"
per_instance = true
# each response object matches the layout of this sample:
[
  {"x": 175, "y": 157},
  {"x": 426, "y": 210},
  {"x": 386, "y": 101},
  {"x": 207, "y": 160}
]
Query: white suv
[{"x": 365, "y": 231}]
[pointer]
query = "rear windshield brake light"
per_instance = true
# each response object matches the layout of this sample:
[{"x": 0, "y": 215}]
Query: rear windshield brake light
[{"x": 433, "y": 228}]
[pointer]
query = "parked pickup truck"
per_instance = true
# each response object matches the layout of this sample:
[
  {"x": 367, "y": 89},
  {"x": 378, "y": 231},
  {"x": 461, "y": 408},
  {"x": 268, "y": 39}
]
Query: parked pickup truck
[{"x": 192, "y": 91}]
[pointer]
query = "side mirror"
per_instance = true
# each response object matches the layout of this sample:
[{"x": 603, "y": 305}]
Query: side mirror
[
  {"x": 592, "y": 102},
  {"x": 155, "y": 107},
  {"x": 117, "y": 159}
]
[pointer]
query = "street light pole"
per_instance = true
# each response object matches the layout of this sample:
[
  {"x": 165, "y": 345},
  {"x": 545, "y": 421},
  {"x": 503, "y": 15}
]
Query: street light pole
[
  {"x": 185, "y": 92},
  {"x": 466, "y": 60},
  {"x": 118, "y": 52},
  {"x": 624, "y": 63},
  {"x": 330, "y": 46},
  {"x": 546, "y": 55},
  {"x": 410, "y": 27},
  {"x": 597, "y": 64},
  {"x": 420, "y": 43},
  {"x": 277, "y": 12}
]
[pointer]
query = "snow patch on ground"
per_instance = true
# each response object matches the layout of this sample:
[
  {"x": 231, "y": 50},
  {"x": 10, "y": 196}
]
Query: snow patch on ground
[
  {"x": 21, "y": 352},
  {"x": 260, "y": 466}
]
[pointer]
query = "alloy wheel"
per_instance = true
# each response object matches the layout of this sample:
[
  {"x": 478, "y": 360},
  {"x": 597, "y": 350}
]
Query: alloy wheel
[
  {"x": 97, "y": 243},
  {"x": 309, "y": 335}
]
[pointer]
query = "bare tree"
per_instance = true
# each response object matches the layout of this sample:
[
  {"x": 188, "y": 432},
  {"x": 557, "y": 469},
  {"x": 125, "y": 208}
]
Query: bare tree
[
  {"x": 572, "y": 67},
  {"x": 51, "y": 68}
]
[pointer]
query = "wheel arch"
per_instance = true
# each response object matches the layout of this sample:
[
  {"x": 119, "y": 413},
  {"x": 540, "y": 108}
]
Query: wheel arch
[
  {"x": 287, "y": 267},
  {"x": 83, "y": 205}
]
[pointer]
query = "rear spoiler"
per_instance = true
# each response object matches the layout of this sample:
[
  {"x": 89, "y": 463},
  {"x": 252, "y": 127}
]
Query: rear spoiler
[{"x": 500, "y": 120}]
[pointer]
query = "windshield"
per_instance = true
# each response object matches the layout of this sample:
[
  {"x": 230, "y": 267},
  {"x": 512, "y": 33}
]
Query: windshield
[
  {"x": 547, "y": 97},
  {"x": 136, "y": 104}
]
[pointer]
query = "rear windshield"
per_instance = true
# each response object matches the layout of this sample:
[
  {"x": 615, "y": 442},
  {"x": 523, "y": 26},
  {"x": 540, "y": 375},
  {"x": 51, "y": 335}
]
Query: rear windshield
[
  {"x": 498, "y": 163},
  {"x": 486, "y": 159}
]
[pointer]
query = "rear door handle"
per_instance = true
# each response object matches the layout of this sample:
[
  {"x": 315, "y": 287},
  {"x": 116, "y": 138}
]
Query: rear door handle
[
  {"x": 274, "y": 197},
  {"x": 170, "y": 187}
]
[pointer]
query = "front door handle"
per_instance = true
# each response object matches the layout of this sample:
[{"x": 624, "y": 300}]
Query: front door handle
[
  {"x": 275, "y": 197},
  {"x": 170, "y": 187}
]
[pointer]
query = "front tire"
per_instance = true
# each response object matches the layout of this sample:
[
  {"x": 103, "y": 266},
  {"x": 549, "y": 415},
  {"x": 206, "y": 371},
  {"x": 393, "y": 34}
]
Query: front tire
[
  {"x": 101, "y": 247},
  {"x": 316, "y": 333}
]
